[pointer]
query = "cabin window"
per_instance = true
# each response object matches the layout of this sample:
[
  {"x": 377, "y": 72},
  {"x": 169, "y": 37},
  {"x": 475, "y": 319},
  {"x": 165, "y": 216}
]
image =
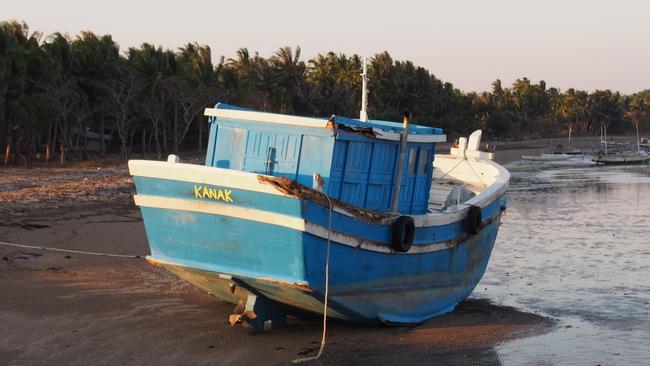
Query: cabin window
[
  {"x": 412, "y": 159},
  {"x": 422, "y": 161}
]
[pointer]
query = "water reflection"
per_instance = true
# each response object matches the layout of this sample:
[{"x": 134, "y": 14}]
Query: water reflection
[{"x": 575, "y": 245}]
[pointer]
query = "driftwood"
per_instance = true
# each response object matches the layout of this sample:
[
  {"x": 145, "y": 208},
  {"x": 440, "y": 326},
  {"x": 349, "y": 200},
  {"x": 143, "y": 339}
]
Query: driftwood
[{"x": 295, "y": 189}]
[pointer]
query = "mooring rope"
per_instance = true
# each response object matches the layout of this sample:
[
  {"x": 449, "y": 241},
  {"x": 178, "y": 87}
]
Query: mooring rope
[
  {"x": 327, "y": 278},
  {"x": 447, "y": 173},
  {"x": 476, "y": 175},
  {"x": 69, "y": 250}
]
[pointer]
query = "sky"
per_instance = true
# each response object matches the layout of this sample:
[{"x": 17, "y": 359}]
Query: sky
[{"x": 586, "y": 45}]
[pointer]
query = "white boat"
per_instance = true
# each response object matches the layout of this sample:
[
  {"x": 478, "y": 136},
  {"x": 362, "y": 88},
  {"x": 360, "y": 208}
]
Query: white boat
[{"x": 547, "y": 157}]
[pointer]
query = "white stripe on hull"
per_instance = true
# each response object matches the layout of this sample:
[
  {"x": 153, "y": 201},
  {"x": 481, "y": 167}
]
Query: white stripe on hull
[{"x": 200, "y": 174}]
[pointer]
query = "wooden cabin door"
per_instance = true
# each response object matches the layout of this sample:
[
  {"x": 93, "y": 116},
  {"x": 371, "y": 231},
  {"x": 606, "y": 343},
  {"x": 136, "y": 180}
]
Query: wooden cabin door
[
  {"x": 422, "y": 182},
  {"x": 272, "y": 153},
  {"x": 416, "y": 180},
  {"x": 408, "y": 180}
]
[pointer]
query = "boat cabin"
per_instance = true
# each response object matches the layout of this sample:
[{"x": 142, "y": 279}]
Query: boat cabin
[{"x": 356, "y": 160}]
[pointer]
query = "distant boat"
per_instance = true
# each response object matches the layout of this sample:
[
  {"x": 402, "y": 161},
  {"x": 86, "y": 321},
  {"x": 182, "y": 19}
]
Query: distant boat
[
  {"x": 560, "y": 153},
  {"x": 408, "y": 234},
  {"x": 639, "y": 157},
  {"x": 523, "y": 166},
  {"x": 547, "y": 157},
  {"x": 623, "y": 159}
]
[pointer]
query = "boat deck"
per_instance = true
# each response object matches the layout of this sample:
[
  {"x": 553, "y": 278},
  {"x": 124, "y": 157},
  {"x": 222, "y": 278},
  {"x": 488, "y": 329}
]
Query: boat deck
[{"x": 449, "y": 192}]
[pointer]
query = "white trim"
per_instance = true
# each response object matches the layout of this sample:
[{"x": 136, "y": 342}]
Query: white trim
[
  {"x": 338, "y": 237},
  {"x": 284, "y": 119},
  {"x": 200, "y": 174},
  {"x": 394, "y": 136},
  {"x": 266, "y": 117},
  {"x": 272, "y": 218},
  {"x": 492, "y": 174},
  {"x": 237, "y": 212}
]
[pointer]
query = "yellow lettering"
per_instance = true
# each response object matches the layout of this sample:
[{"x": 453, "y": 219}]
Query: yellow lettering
[{"x": 213, "y": 193}]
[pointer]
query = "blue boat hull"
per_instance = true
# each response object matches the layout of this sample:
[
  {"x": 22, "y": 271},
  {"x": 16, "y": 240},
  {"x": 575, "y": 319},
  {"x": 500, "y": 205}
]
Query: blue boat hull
[
  {"x": 226, "y": 253},
  {"x": 437, "y": 282}
]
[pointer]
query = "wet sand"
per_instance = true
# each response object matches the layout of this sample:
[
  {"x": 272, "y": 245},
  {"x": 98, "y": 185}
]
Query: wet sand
[{"x": 62, "y": 308}]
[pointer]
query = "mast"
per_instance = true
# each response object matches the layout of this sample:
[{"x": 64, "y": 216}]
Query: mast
[
  {"x": 363, "y": 114},
  {"x": 638, "y": 140},
  {"x": 605, "y": 131}
]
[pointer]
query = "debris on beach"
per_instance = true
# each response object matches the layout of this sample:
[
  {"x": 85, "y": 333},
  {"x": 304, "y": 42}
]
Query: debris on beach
[{"x": 39, "y": 192}]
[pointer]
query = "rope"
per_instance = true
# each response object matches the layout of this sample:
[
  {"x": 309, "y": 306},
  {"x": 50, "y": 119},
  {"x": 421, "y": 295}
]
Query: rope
[
  {"x": 450, "y": 170},
  {"x": 69, "y": 250},
  {"x": 327, "y": 278},
  {"x": 476, "y": 175}
]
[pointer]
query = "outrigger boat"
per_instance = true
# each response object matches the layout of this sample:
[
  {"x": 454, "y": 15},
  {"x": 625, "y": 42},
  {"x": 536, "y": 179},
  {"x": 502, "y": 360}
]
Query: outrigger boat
[
  {"x": 285, "y": 202},
  {"x": 622, "y": 159},
  {"x": 639, "y": 157}
]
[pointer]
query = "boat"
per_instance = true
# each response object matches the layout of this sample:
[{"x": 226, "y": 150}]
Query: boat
[
  {"x": 547, "y": 157},
  {"x": 622, "y": 159},
  {"x": 357, "y": 219},
  {"x": 253, "y": 225},
  {"x": 638, "y": 157}
]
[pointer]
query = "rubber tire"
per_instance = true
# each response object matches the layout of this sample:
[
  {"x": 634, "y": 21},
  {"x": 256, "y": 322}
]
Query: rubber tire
[
  {"x": 403, "y": 234},
  {"x": 473, "y": 220}
]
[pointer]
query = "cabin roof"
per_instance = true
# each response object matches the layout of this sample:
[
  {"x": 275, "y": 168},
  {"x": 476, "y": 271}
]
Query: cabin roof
[{"x": 380, "y": 129}]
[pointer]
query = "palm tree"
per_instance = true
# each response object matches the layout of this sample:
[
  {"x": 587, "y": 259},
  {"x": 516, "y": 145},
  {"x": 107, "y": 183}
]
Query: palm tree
[
  {"x": 23, "y": 67},
  {"x": 63, "y": 93},
  {"x": 95, "y": 62},
  {"x": 153, "y": 68}
]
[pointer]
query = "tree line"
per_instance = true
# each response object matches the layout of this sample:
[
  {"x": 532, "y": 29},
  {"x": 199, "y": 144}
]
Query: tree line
[{"x": 54, "y": 89}]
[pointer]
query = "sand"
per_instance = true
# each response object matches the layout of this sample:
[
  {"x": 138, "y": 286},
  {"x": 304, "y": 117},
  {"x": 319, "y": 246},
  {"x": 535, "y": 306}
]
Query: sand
[{"x": 61, "y": 308}]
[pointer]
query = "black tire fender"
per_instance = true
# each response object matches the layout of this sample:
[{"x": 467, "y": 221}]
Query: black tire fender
[
  {"x": 473, "y": 220},
  {"x": 403, "y": 233}
]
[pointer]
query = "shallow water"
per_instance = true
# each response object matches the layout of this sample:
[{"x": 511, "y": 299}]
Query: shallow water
[{"x": 574, "y": 245}]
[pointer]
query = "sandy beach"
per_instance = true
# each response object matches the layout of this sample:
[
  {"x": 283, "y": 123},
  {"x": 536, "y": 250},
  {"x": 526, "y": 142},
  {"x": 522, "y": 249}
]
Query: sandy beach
[{"x": 69, "y": 308}]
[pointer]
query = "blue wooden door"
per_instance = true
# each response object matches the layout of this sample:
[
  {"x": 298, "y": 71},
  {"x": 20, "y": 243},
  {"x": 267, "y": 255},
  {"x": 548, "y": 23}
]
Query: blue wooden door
[
  {"x": 356, "y": 171},
  {"x": 259, "y": 148},
  {"x": 286, "y": 154},
  {"x": 272, "y": 153},
  {"x": 380, "y": 182},
  {"x": 408, "y": 180},
  {"x": 422, "y": 180},
  {"x": 338, "y": 166}
]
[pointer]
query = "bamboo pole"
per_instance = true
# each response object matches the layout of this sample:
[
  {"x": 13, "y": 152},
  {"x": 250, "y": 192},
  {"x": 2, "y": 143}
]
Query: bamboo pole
[{"x": 400, "y": 162}]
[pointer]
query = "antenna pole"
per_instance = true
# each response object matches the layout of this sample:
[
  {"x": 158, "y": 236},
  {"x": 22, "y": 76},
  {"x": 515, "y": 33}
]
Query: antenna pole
[{"x": 363, "y": 115}]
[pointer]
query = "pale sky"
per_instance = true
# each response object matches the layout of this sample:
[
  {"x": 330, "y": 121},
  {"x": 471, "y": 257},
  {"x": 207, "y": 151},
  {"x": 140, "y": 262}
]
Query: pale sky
[{"x": 572, "y": 43}]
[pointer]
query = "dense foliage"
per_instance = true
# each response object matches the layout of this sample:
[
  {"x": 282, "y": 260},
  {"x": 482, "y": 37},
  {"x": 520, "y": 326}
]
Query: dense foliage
[{"x": 150, "y": 100}]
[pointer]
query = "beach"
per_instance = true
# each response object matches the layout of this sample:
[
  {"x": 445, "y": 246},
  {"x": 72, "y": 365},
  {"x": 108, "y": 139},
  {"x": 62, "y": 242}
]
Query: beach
[{"x": 83, "y": 308}]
